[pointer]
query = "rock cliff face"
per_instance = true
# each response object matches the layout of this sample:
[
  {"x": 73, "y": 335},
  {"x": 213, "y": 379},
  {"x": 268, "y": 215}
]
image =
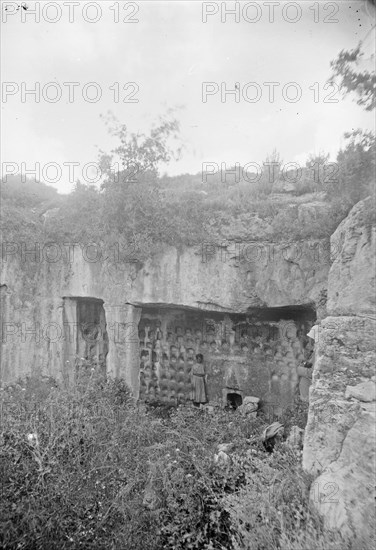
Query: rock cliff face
[
  {"x": 352, "y": 275},
  {"x": 339, "y": 446},
  {"x": 40, "y": 291},
  {"x": 37, "y": 287}
]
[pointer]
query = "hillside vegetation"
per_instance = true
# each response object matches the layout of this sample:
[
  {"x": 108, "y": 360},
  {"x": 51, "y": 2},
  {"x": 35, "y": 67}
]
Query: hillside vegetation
[
  {"x": 143, "y": 210},
  {"x": 85, "y": 468}
]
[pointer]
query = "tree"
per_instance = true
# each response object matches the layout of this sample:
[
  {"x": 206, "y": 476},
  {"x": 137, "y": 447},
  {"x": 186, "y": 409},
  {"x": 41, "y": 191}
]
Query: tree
[
  {"x": 352, "y": 80},
  {"x": 79, "y": 218},
  {"x": 356, "y": 163},
  {"x": 139, "y": 153},
  {"x": 356, "y": 171},
  {"x": 270, "y": 176},
  {"x": 316, "y": 172},
  {"x": 134, "y": 210}
]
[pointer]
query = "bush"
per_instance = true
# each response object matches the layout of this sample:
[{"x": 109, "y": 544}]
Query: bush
[
  {"x": 86, "y": 468},
  {"x": 65, "y": 486},
  {"x": 272, "y": 511}
]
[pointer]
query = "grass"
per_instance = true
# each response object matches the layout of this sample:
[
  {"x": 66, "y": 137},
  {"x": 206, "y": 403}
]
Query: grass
[{"x": 87, "y": 468}]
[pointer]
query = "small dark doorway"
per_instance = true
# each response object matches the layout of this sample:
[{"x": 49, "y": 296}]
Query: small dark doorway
[{"x": 234, "y": 400}]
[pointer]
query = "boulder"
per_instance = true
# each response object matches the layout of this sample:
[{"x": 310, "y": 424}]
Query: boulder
[
  {"x": 225, "y": 447},
  {"x": 150, "y": 499},
  {"x": 249, "y": 399},
  {"x": 222, "y": 459},
  {"x": 210, "y": 409},
  {"x": 249, "y": 406},
  {"x": 295, "y": 437},
  {"x": 365, "y": 391}
]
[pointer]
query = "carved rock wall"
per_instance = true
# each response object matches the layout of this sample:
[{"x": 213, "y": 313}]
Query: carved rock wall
[
  {"x": 224, "y": 279},
  {"x": 240, "y": 355}
]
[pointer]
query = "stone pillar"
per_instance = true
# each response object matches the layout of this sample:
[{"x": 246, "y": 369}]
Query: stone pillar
[
  {"x": 70, "y": 340},
  {"x": 123, "y": 359},
  {"x": 5, "y": 348}
]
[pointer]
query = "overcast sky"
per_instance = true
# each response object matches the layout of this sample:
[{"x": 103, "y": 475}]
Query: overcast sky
[{"x": 169, "y": 53}]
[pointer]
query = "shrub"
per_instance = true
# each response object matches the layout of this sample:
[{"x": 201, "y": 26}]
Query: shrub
[
  {"x": 86, "y": 468},
  {"x": 272, "y": 510}
]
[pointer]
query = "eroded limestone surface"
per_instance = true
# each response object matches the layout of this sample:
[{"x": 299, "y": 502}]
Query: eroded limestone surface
[
  {"x": 339, "y": 443},
  {"x": 352, "y": 274}
]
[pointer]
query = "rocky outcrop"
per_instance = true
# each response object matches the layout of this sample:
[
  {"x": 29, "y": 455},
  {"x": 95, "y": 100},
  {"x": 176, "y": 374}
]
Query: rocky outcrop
[
  {"x": 309, "y": 212},
  {"x": 339, "y": 443},
  {"x": 364, "y": 392},
  {"x": 353, "y": 272}
]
